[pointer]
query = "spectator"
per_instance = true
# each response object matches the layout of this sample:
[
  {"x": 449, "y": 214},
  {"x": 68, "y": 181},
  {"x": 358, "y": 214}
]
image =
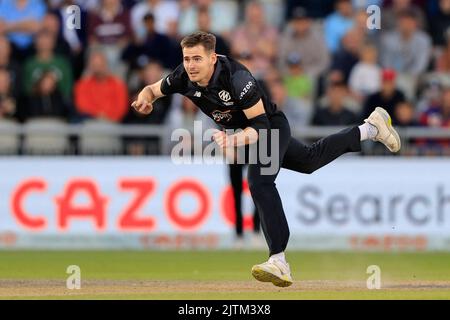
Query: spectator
[
  {"x": 371, "y": 36},
  {"x": 46, "y": 59},
  {"x": 204, "y": 24},
  {"x": 365, "y": 77},
  {"x": 348, "y": 55},
  {"x": 224, "y": 16},
  {"x": 247, "y": 60},
  {"x": 296, "y": 81},
  {"x": 46, "y": 99},
  {"x": 438, "y": 116},
  {"x": 387, "y": 97},
  {"x": 334, "y": 112},
  {"x": 257, "y": 37},
  {"x": 163, "y": 11},
  {"x": 109, "y": 29},
  {"x": 298, "y": 111},
  {"x": 443, "y": 58},
  {"x": 155, "y": 47},
  {"x": 51, "y": 24},
  {"x": 338, "y": 24},
  {"x": 440, "y": 22},
  {"x": 149, "y": 74},
  {"x": 141, "y": 145},
  {"x": 390, "y": 14},
  {"x": 405, "y": 115},
  {"x": 406, "y": 49},
  {"x": 431, "y": 95},
  {"x": 300, "y": 38},
  {"x": 176, "y": 57},
  {"x": 8, "y": 62},
  {"x": 7, "y": 100},
  {"x": 20, "y": 20},
  {"x": 109, "y": 25},
  {"x": 100, "y": 94},
  {"x": 318, "y": 9},
  {"x": 85, "y": 5}
]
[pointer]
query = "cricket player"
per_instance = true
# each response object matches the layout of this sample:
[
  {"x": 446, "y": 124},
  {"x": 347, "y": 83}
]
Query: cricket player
[{"x": 228, "y": 93}]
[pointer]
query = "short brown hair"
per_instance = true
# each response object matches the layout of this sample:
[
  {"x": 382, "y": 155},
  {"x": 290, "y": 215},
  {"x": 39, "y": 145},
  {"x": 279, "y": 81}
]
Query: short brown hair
[{"x": 207, "y": 40}]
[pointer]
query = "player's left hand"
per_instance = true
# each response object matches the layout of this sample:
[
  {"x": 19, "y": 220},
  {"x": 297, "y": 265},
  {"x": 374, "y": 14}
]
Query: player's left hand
[{"x": 221, "y": 139}]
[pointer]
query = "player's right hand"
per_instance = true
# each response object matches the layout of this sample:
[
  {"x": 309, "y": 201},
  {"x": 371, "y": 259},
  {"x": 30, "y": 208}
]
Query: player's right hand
[{"x": 142, "y": 106}]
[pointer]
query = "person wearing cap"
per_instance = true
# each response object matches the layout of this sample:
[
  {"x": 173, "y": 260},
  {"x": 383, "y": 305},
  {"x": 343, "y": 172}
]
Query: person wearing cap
[
  {"x": 388, "y": 96},
  {"x": 298, "y": 37},
  {"x": 297, "y": 83}
]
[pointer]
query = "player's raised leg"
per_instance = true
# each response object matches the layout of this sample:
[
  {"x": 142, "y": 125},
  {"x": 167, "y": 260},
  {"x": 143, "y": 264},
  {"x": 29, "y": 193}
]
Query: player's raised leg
[
  {"x": 386, "y": 133},
  {"x": 307, "y": 159}
]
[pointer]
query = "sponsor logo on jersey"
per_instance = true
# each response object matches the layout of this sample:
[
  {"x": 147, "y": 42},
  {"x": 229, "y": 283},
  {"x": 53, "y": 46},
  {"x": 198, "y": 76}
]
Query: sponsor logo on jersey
[
  {"x": 168, "y": 81},
  {"x": 197, "y": 94},
  {"x": 245, "y": 89},
  {"x": 224, "y": 95},
  {"x": 219, "y": 116}
]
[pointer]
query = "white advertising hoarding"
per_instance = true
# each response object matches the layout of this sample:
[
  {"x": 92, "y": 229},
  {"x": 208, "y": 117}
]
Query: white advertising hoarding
[{"x": 103, "y": 202}]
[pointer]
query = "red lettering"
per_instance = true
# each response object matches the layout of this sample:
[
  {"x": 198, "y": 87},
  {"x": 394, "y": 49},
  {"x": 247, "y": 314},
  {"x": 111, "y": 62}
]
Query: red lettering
[
  {"x": 18, "y": 197},
  {"x": 143, "y": 189},
  {"x": 228, "y": 210},
  {"x": 177, "y": 218},
  {"x": 95, "y": 209}
]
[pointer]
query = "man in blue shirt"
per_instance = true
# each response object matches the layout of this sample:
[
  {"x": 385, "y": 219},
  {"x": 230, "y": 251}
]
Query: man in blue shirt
[{"x": 20, "y": 19}]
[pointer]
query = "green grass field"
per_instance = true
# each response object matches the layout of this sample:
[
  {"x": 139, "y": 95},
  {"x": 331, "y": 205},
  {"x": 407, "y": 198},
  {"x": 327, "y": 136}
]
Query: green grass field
[{"x": 220, "y": 275}]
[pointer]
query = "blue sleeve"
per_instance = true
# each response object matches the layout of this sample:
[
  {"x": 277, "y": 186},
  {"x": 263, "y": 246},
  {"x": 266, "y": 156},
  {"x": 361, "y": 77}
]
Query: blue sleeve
[
  {"x": 3, "y": 10},
  {"x": 39, "y": 10}
]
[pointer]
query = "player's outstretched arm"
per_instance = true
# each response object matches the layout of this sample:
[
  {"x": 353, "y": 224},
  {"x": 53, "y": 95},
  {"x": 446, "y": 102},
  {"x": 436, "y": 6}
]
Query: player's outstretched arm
[{"x": 144, "y": 102}]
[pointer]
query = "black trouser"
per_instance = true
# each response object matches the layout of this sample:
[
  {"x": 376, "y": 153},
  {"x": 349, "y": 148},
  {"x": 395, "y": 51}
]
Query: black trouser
[
  {"x": 236, "y": 171},
  {"x": 298, "y": 157}
]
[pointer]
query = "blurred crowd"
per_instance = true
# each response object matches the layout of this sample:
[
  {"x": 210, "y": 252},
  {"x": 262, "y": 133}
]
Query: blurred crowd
[{"x": 317, "y": 60}]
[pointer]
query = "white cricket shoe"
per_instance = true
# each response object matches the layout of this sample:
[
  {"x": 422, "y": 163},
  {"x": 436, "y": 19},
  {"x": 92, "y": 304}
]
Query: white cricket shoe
[
  {"x": 386, "y": 132},
  {"x": 275, "y": 271}
]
